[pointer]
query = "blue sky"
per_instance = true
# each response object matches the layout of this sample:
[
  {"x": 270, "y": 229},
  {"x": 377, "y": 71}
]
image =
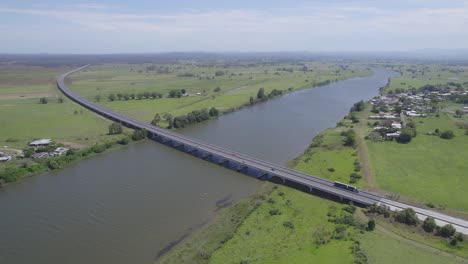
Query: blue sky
[{"x": 118, "y": 26}]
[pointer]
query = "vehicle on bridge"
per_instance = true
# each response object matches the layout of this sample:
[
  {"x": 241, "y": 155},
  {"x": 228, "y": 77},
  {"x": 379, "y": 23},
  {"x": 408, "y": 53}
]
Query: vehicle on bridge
[{"x": 345, "y": 187}]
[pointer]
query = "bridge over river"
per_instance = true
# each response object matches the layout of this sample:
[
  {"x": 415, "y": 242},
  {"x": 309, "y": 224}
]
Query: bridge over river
[{"x": 251, "y": 166}]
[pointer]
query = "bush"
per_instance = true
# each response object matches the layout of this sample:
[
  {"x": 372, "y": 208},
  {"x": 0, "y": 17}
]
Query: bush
[
  {"x": 115, "y": 128},
  {"x": 275, "y": 212},
  {"x": 446, "y": 231},
  {"x": 370, "y": 225},
  {"x": 331, "y": 169},
  {"x": 288, "y": 224},
  {"x": 407, "y": 216},
  {"x": 53, "y": 165},
  {"x": 447, "y": 134},
  {"x": 404, "y": 138},
  {"x": 429, "y": 225},
  {"x": 350, "y": 209},
  {"x": 124, "y": 141},
  {"x": 138, "y": 134}
]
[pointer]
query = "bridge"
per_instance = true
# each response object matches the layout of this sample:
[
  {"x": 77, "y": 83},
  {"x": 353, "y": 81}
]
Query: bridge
[{"x": 251, "y": 166}]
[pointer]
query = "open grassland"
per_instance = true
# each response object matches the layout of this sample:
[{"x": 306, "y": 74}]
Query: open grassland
[
  {"x": 415, "y": 76},
  {"x": 429, "y": 168},
  {"x": 236, "y": 84},
  {"x": 328, "y": 158},
  {"x": 18, "y": 82},
  {"x": 23, "y": 118},
  {"x": 383, "y": 246},
  {"x": 263, "y": 238}
]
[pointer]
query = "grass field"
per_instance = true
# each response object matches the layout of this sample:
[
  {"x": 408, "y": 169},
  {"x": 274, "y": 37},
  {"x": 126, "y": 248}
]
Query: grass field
[
  {"x": 329, "y": 159},
  {"x": 417, "y": 75},
  {"x": 23, "y": 119},
  {"x": 236, "y": 85},
  {"x": 263, "y": 238},
  {"x": 429, "y": 168},
  {"x": 382, "y": 246}
]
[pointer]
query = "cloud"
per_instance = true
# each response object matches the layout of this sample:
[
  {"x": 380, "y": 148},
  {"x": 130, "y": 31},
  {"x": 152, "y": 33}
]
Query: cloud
[{"x": 324, "y": 26}]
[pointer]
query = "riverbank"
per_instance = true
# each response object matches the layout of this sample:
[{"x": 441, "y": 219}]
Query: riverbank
[
  {"x": 196, "y": 87},
  {"x": 14, "y": 173}
]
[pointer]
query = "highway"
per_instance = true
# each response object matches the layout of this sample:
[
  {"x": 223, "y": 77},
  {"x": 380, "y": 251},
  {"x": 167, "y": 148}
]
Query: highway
[{"x": 268, "y": 168}]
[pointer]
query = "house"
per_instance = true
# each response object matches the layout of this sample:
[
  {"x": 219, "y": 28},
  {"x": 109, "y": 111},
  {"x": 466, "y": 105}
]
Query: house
[
  {"x": 413, "y": 114},
  {"x": 396, "y": 125},
  {"x": 40, "y": 142},
  {"x": 394, "y": 135},
  {"x": 387, "y": 117},
  {"x": 5, "y": 159},
  {"x": 40, "y": 155},
  {"x": 59, "y": 151}
]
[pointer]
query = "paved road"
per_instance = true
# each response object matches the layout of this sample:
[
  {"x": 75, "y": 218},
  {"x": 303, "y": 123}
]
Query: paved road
[{"x": 266, "y": 167}]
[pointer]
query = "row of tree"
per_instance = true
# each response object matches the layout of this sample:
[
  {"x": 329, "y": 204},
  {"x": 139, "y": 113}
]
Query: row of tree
[{"x": 129, "y": 96}]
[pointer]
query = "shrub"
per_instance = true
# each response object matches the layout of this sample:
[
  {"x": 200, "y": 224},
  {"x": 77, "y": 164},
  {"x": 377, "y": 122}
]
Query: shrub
[
  {"x": 429, "y": 224},
  {"x": 331, "y": 169},
  {"x": 370, "y": 225},
  {"x": 115, "y": 128},
  {"x": 124, "y": 141},
  {"x": 447, "y": 134},
  {"x": 138, "y": 134},
  {"x": 404, "y": 138},
  {"x": 446, "y": 231},
  {"x": 407, "y": 216},
  {"x": 288, "y": 224},
  {"x": 275, "y": 212}
]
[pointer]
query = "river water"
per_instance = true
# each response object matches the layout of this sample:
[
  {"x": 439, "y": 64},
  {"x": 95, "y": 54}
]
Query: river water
[{"x": 127, "y": 205}]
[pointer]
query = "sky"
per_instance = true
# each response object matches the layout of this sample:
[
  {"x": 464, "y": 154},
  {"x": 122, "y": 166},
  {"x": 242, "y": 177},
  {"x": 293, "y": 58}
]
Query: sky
[{"x": 146, "y": 26}]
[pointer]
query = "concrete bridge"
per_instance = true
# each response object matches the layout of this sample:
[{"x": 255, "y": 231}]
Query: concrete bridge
[{"x": 251, "y": 166}]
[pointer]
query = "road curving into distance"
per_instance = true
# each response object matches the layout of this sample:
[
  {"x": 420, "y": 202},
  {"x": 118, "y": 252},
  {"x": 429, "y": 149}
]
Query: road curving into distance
[{"x": 264, "y": 168}]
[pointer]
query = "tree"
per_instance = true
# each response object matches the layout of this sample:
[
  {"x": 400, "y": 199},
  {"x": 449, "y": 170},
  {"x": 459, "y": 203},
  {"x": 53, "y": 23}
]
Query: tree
[
  {"x": 219, "y": 73},
  {"x": 429, "y": 224},
  {"x": 459, "y": 113},
  {"x": 446, "y": 231},
  {"x": 97, "y": 98},
  {"x": 139, "y": 96},
  {"x": 156, "y": 120},
  {"x": 214, "y": 112},
  {"x": 28, "y": 152},
  {"x": 251, "y": 100},
  {"x": 370, "y": 225},
  {"x": 60, "y": 99},
  {"x": 350, "y": 139},
  {"x": 407, "y": 216},
  {"x": 183, "y": 91},
  {"x": 175, "y": 94},
  {"x": 138, "y": 134},
  {"x": 112, "y": 97},
  {"x": 447, "y": 134},
  {"x": 404, "y": 138},
  {"x": 261, "y": 93},
  {"x": 359, "y": 106},
  {"x": 119, "y": 96},
  {"x": 217, "y": 89},
  {"x": 43, "y": 100},
  {"x": 115, "y": 128}
]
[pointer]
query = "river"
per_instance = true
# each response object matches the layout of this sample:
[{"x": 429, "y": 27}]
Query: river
[{"x": 127, "y": 205}]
